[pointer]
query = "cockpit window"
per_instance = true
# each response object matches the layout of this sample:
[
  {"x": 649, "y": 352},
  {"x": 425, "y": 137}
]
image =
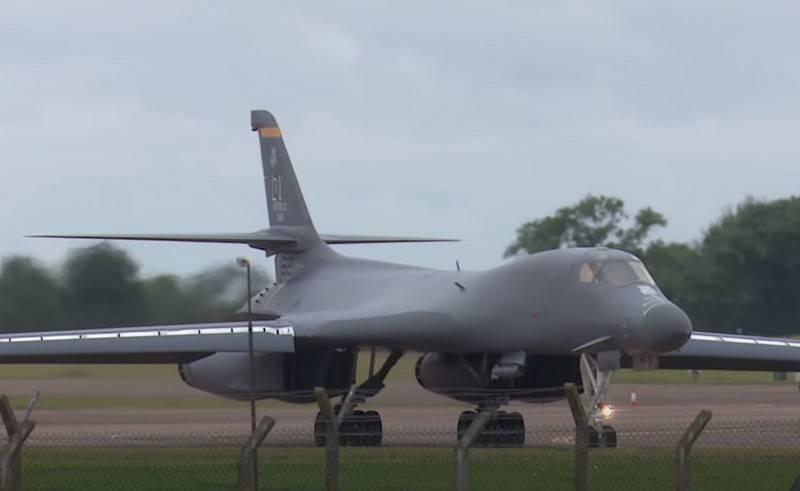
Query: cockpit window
[
  {"x": 614, "y": 273},
  {"x": 588, "y": 272}
]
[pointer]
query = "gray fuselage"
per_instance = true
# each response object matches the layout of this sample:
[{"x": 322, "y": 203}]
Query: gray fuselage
[{"x": 536, "y": 303}]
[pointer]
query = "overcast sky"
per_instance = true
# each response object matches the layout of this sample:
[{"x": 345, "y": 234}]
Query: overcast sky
[{"x": 456, "y": 119}]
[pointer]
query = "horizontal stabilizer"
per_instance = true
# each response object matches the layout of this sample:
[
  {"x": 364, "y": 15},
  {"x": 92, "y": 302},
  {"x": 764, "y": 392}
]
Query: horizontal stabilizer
[
  {"x": 377, "y": 239},
  {"x": 268, "y": 240},
  {"x": 265, "y": 240}
]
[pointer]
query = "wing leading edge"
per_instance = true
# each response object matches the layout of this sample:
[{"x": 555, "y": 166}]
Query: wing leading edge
[
  {"x": 716, "y": 351},
  {"x": 154, "y": 344}
]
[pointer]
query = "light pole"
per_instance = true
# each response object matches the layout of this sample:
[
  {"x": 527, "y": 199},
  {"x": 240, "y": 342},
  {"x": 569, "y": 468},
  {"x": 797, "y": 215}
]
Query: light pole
[{"x": 245, "y": 263}]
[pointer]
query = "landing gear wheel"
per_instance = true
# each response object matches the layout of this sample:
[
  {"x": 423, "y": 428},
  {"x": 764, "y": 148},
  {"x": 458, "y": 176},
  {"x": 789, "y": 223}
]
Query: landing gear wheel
[
  {"x": 517, "y": 424},
  {"x": 496, "y": 432},
  {"x": 361, "y": 429},
  {"x": 606, "y": 437},
  {"x": 504, "y": 430},
  {"x": 351, "y": 431},
  {"x": 320, "y": 430},
  {"x": 373, "y": 429},
  {"x": 358, "y": 429}
]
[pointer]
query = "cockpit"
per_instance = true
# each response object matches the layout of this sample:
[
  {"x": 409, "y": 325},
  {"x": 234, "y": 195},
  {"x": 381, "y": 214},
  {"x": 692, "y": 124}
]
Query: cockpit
[{"x": 614, "y": 272}]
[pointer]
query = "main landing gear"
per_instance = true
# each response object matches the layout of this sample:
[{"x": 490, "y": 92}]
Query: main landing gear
[
  {"x": 504, "y": 430},
  {"x": 596, "y": 375},
  {"x": 358, "y": 428}
]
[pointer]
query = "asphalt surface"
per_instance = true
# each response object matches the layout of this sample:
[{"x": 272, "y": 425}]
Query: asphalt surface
[{"x": 743, "y": 415}]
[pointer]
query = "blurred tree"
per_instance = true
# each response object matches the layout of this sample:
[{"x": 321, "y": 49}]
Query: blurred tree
[
  {"x": 593, "y": 221},
  {"x": 100, "y": 287},
  {"x": 751, "y": 271},
  {"x": 219, "y": 291},
  {"x": 167, "y": 301},
  {"x": 678, "y": 269},
  {"x": 30, "y": 299}
]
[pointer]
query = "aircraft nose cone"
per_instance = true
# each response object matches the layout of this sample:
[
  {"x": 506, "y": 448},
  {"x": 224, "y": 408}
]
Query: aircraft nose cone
[{"x": 667, "y": 327}]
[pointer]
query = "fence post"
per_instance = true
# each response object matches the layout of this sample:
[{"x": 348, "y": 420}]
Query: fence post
[
  {"x": 11, "y": 455},
  {"x": 331, "y": 439},
  {"x": 466, "y": 441},
  {"x": 685, "y": 445},
  {"x": 582, "y": 431},
  {"x": 247, "y": 461}
]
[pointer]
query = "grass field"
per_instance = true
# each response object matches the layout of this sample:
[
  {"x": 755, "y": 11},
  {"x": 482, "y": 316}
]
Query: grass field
[{"x": 284, "y": 469}]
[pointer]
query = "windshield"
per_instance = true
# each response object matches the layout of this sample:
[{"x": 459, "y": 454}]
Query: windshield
[{"x": 614, "y": 273}]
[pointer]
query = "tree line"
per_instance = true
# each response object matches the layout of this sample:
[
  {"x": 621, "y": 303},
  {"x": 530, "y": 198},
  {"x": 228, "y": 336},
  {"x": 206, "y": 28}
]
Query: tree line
[
  {"x": 741, "y": 275},
  {"x": 100, "y": 286}
]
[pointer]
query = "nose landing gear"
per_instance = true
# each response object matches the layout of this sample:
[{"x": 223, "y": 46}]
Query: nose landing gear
[{"x": 596, "y": 376}]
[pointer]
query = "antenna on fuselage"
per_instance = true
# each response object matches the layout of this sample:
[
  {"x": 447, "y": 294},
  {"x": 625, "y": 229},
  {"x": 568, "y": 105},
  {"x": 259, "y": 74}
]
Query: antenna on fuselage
[{"x": 458, "y": 266}]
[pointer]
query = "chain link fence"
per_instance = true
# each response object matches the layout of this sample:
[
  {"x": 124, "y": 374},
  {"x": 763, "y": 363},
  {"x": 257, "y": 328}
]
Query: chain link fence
[{"x": 762, "y": 455}]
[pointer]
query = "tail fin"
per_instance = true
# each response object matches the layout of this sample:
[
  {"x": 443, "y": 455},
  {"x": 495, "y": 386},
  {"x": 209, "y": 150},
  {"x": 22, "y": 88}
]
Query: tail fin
[{"x": 285, "y": 202}]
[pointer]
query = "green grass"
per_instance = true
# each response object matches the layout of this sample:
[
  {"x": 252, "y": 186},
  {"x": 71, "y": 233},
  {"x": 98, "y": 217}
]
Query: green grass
[
  {"x": 706, "y": 377},
  {"x": 84, "y": 402},
  {"x": 79, "y": 371},
  {"x": 284, "y": 469}
]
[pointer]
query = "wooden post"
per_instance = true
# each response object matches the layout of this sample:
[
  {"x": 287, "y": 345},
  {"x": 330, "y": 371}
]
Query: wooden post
[
  {"x": 582, "y": 431},
  {"x": 248, "y": 464},
  {"x": 331, "y": 439},
  {"x": 685, "y": 446},
  {"x": 11, "y": 454},
  {"x": 466, "y": 441}
]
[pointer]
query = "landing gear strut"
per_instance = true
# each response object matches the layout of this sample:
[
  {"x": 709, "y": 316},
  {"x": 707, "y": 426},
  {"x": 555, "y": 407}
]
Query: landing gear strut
[
  {"x": 504, "y": 430},
  {"x": 596, "y": 374},
  {"x": 358, "y": 428}
]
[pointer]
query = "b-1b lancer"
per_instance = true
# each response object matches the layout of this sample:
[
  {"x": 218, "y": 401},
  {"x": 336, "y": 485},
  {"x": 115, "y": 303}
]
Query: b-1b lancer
[{"x": 517, "y": 332}]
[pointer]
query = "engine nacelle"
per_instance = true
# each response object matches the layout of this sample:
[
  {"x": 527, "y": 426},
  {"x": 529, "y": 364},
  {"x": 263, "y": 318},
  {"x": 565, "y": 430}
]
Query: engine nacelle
[
  {"x": 286, "y": 376},
  {"x": 468, "y": 377}
]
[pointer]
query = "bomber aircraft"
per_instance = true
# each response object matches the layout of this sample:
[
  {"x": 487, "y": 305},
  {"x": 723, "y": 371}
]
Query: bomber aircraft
[{"x": 517, "y": 332}]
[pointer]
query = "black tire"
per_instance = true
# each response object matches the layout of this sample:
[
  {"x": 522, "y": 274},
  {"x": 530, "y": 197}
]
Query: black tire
[
  {"x": 518, "y": 439},
  {"x": 352, "y": 431},
  {"x": 605, "y": 438},
  {"x": 495, "y": 432},
  {"x": 320, "y": 430},
  {"x": 610, "y": 436},
  {"x": 373, "y": 429}
]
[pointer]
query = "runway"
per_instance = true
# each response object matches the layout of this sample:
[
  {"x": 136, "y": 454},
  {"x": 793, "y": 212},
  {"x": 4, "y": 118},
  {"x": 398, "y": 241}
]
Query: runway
[{"x": 743, "y": 415}]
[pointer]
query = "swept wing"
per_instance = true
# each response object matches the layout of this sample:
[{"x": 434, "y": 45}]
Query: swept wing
[
  {"x": 178, "y": 343},
  {"x": 716, "y": 351}
]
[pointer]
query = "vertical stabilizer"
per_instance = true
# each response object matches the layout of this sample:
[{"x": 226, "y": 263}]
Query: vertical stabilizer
[{"x": 285, "y": 202}]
